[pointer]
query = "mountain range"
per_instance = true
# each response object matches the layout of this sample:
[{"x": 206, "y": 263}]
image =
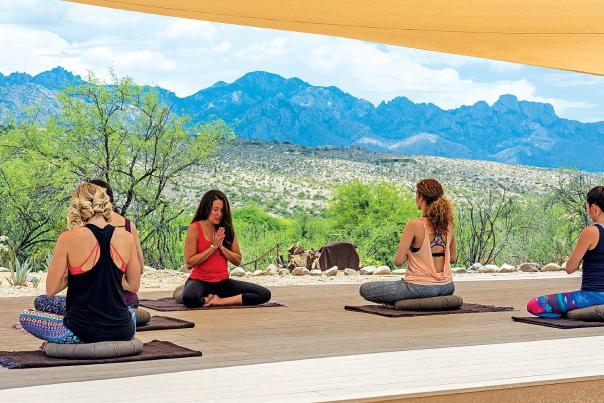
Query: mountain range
[{"x": 266, "y": 106}]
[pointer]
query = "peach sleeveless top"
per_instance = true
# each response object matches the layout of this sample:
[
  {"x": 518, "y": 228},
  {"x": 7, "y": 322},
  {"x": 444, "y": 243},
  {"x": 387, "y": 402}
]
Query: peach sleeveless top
[{"x": 421, "y": 268}]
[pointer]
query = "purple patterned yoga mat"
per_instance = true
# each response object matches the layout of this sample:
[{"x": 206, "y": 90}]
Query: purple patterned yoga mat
[
  {"x": 393, "y": 313},
  {"x": 559, "y": 323},
  {"x": 169, "y": 304},
  {"x": 154, "y": 350}
]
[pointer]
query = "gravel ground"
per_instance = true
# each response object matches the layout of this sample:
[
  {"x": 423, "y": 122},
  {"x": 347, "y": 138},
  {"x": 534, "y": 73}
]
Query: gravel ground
[{"x": 168, "y": 280}]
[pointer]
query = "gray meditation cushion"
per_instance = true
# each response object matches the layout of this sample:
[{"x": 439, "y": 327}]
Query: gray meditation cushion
[
  {"x": 178, "y": 294},
  {"x": 94, "y": 351},
  {"x": 142, "y": 317},
  {"x": 443, "y": 303},
  {"x": 590, "y": 314}
]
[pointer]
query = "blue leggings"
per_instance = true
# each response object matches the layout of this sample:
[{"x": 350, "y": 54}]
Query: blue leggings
[{"x": 556, "y": 305}]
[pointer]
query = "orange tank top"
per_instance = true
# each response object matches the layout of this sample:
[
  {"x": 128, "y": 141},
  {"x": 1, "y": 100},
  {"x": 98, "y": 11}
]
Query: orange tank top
[
  {"x": 215, "y": 267},
  {"x": 421, "y": 269}
]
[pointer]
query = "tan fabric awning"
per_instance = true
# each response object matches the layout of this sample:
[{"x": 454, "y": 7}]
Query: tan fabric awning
[{"x": 562, "y": 34}]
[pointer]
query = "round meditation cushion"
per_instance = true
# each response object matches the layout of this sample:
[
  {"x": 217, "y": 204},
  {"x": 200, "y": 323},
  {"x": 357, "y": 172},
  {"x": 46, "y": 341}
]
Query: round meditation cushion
[
  {"x": 94, "y": 351},
  {"x": 178, "y": 294},
  {"x": 142, "y": 317},
  {"x": 442, "y": 303},
  {"x": 590, "y": 314}
]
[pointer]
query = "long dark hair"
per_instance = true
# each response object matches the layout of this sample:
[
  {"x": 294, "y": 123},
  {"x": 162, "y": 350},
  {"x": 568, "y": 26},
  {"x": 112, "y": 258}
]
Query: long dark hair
[
  {"x": 440, "y": 211},
  {"x": 205, "y": 207},
  {"x": 596, "y": 196}
]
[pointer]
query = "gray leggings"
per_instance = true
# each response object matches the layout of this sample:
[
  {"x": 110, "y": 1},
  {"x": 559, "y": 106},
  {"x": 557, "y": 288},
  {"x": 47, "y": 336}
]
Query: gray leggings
[{"x": 388, "y": 292}]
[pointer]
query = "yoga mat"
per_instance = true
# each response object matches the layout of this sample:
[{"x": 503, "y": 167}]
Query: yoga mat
[
  {"x": 559, "y": 323},
  {"x": 393, "y": 313},
  {"x": 169, "y": 304},
  {"x": 164, "y": 323},
  {"x": 154, "y": 350}
]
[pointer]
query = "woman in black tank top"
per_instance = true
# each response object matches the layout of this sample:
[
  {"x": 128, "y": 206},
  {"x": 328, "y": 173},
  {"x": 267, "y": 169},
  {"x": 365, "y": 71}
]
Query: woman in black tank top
[
  {"x": 96, "y": 310},
  {"x": 590, "y": 250}
]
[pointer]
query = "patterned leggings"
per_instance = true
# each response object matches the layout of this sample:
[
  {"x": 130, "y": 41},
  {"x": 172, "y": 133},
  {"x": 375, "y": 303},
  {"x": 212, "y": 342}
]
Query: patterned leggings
[
  {"x": 555, "y": 305},
  {"x": 50, "y": 327},
  {"x": 58, "y": 303}
]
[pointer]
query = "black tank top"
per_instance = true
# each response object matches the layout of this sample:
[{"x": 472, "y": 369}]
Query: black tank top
[
  {"x": 96, "y": 310},
  {"x": 593, "y": 266}
]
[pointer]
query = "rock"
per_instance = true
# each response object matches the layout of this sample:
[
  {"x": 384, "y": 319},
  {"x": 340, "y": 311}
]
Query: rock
[
  {"x": 238, "y": 272},
  {"x": 489, "y": 268},
  {"x": 283, "y": 272},
  {"x": 529, "y": 267},
  {"x": 381, "y": 271},
  {"x": 300, "y": 271},
  {"x": 149, "y": 268},
  {"x": 272, "y": 270},
  {"x": 474, "y": 268},
  {"x": 258, "y": 273},
  {"x": 458, "y": 270},
  {"x": 183, "y": 269},
  {"x": 399, "y": 271},
  {"x": 316, "y": 272},
  {"x": 563, "y": 267},
  {"x": 367, "y": 270},
  {"x": 4, "y": 270},
  {"x": 507, "y": 268},
  {"x": 350, "y": 272},
  {"x": 331, "y": 272},
  {"x": 551, "y": 267}
]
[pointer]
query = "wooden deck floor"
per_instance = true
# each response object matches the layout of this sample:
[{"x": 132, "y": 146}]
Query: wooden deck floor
[{"x": 314, "y": 325}]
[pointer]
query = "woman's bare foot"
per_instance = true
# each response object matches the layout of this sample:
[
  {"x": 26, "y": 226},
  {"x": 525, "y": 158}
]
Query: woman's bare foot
[
  {"x": 215, "y": 301},
  {"x": 208, "y": 299}
]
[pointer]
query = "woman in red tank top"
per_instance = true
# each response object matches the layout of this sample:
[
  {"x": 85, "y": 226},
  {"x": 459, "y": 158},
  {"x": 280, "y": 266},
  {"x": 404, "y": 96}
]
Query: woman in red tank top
[{"x": 209, "y": 246}]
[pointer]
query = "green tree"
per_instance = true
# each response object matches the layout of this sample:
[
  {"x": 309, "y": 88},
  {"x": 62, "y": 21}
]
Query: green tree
[{"x": 125, "y": 134}]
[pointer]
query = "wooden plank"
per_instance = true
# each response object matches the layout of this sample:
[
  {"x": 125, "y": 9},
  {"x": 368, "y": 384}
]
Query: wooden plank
[
  {"x": 314, "y": 325},
  {"x": 365, "y": 376}
]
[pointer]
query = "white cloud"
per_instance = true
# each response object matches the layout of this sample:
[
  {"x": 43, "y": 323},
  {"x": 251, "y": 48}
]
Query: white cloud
[
  {"x": 187, "y": 55},
  {"x": 258, "y": 51}
]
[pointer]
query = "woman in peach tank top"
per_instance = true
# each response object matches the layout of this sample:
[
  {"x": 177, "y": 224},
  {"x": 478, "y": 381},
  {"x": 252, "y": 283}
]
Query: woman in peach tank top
[{"x": 428, "y": 245}]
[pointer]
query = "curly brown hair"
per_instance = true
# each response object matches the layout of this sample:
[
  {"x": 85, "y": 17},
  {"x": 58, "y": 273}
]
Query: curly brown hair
[{"x": 440, "y": 210}]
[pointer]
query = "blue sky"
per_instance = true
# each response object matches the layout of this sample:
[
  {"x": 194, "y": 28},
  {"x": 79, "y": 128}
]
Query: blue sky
[{"x": 186, "y": 56}]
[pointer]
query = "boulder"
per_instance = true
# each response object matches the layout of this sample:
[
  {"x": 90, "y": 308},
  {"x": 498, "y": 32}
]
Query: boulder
[
  {"x": 381, "y": 271},
  {"x": 238, "y": 272},
  {"x": 507, "y": 268},
  {"x": 258, "y": 273},
  {"x": 474, "y": 268},
  {"x": 149, "y": 268},
  {"x": 283, "y": 272},
  {"x": 399, "y": 271},
  {"x": 489, "y": 268},
  {"x": 4, "y": 270},
  {"x": 529, "y": 267},
  {"x": 271, "y": 270},
  {"x": 367, "y": 270},
  {"x": 183, "y": 269},
  {"x": 315, "y": 272},
  {"x": 458, "y": 270},
  {"x": 331, "y": 272},
  {"x": 551, "y": 267},
  {"x": 300, "y": 271},
  {"x": 350, "y": 272}
]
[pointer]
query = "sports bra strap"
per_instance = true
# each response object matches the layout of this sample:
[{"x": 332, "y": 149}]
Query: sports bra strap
[
  {"x": 79, "y": 268},
  {"x": 123, "y": 263}
]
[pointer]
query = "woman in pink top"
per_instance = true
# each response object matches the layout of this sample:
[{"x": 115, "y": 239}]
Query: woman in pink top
[{"x": 428, "y": 246}]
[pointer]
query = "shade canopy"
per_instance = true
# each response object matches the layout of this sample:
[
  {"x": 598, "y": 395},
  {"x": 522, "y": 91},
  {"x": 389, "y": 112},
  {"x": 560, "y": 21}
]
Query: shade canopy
[{"x": 560, "y": 34}]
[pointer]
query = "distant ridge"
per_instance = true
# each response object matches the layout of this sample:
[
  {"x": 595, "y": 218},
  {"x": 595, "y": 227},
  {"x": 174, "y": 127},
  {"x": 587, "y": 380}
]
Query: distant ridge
[{"x": 266, "y": 106}]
